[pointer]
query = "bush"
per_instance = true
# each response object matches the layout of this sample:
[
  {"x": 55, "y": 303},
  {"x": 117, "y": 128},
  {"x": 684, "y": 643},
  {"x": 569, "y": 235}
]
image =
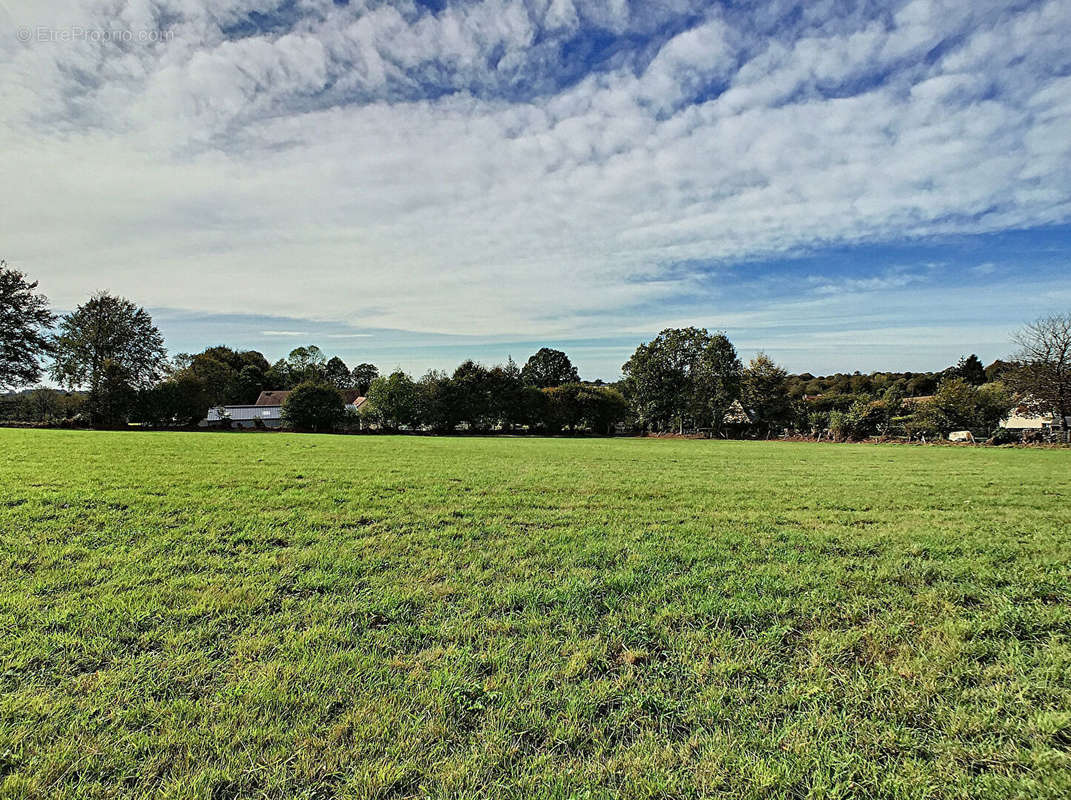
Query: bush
[
  {"x": 314, "y": 407},
  {"x": 862, "y": 419},
  {"x": 576, "y": 406},
  {"x": 958, "y": 405},
  {"x": 1003, "y": 436},
  {"x": 817, "y": 422},
  {"x": 181, "y": 400}
]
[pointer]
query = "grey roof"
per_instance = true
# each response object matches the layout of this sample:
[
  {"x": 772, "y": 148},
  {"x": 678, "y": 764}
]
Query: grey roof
[{"x": 246, "y": 413}]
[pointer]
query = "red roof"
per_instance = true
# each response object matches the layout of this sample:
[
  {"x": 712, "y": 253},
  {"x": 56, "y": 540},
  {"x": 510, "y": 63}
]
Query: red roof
[
  {"x": 272, "y": 398},
  {"x": 276, "y": 397}
]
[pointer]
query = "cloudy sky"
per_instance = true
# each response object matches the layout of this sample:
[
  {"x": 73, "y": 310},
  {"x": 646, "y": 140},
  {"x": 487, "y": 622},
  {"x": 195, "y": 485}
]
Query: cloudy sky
[{"x": 844, "y": 185}]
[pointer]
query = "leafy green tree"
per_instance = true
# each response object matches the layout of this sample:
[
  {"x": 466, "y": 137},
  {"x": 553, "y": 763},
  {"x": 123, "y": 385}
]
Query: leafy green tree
[
  {"x": 860, "y": 420},
  {"x": 958, "y": 405},
  {"x": 392, "y": 401},
  {"x": 216, "y": 375},
  {"x": 817, "y": 422},
  {"x": 683, "y": 376},
  {"x": 362, "y": 375},
  {"x": 229, "y": 376},
  {"x": 473, "y": 395},
  {"x": 278, "y": 376},
  {"x": 971, "y": 370},
  {"x": 40, "y": 405},
  {"x": 314, "y": 407},
  {"x": 563, "y": 410},
  {"x": 839, "y": 426},
  {"x": 25, "y": 320},
  {"x": 955, "y": 403},
  {"x": 336, "y": 373},
  {"x": 892, "y": 407},
  {"x": 110, "y": 346},
  {"x": 249, "y": 383},
  {"x": 435, "y": 405},
  {"x": 601, "y": 408},
  {"x": 993, "y": 402},
  {"x": 922, "y": 385},
  {"x": 535, "y": 408},
  {"x": 508, "y": 405},
  {"x": 306, "y": 364},
  {"x": 860, "y": 384},
  {"x": 180, "y": 400},
  {"x": 115, "y": 396},
  {"x": 252, "y": 358},
  {"x": 925, "y": 421},
  {"x": 549, "y": 367},
  {"x": 764, "y": 393}
]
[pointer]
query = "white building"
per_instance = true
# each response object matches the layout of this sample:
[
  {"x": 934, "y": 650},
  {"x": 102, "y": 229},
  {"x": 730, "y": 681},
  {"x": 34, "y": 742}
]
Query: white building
[
  {"x": 268, "y": 410},
  {"x": 1022, "y": 418}
]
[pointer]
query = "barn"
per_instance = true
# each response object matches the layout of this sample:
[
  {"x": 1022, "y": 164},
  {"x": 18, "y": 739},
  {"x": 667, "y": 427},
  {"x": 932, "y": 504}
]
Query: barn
[{"x": 267, "y": 412}]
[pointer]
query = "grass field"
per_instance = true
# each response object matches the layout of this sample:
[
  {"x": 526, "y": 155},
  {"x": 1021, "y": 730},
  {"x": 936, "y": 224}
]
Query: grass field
[{"x": 222, "y": 616}]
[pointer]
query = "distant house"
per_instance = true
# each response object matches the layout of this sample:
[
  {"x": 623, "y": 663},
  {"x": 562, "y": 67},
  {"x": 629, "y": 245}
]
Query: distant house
[
  {"x": 1021, "y": 418},
  {"x": 268, "y": 410}
]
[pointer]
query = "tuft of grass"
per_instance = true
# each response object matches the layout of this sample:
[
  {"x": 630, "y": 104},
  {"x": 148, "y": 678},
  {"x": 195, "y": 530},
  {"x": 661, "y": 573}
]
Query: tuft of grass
[{"x": 286, "y": 616}]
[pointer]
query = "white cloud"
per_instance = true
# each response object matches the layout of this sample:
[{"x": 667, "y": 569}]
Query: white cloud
[{"x": 378, "y": 163}]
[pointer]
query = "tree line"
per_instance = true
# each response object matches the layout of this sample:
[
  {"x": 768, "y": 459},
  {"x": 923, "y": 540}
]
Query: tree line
[{"x": 111, "y": 359}]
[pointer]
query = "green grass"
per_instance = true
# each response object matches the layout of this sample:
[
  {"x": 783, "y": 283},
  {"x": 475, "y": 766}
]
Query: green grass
[{"x": 218, "y": 616}]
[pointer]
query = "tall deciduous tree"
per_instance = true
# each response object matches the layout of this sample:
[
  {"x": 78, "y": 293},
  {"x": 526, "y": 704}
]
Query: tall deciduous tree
[
  {"x": 314, "y": 407},
  {"x": 229, "y": 376},
  {"x": 306, "y": 364},
  {"x": 507, "y": 395},
  {"x": 337, "y": 373},
  {"x": 392, "y": 401},
  {"x": 473, "y": 389},
  {"x": 683, "y": 376},
  {"x": 25, "y": 320},
  {"x": 958, "y": 405},
  {"x": 362, "y": 376},
  {"x": 110, "y": 346},
  {"x": 548, "y": 367},
  {"x": 1042, "y": 373},
  {"x": 765, "y": 394},
  {"x": 437, "y": 404}
]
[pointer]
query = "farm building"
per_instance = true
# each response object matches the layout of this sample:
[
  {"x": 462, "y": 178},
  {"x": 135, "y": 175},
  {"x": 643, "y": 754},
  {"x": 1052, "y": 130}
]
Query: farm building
[
  {"x": 277, "y": 397},
  {"x": 1022, "y": 418},
  {"x": 246, "y": 416},
  {"x": 268, "y": 410}
]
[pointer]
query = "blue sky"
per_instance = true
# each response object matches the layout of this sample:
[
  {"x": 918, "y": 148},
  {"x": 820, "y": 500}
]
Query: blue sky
[{"x": 844, "y": 185}]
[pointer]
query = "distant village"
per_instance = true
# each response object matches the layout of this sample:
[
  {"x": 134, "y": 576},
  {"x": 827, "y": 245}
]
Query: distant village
[{"x": 115, "y": 372}]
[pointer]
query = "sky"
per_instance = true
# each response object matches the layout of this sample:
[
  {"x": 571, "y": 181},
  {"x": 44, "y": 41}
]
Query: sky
[{"x": 846, "y": 186}]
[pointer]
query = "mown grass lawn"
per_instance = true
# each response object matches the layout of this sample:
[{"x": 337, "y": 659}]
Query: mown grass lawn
[{"x": 219, "y": 616}]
